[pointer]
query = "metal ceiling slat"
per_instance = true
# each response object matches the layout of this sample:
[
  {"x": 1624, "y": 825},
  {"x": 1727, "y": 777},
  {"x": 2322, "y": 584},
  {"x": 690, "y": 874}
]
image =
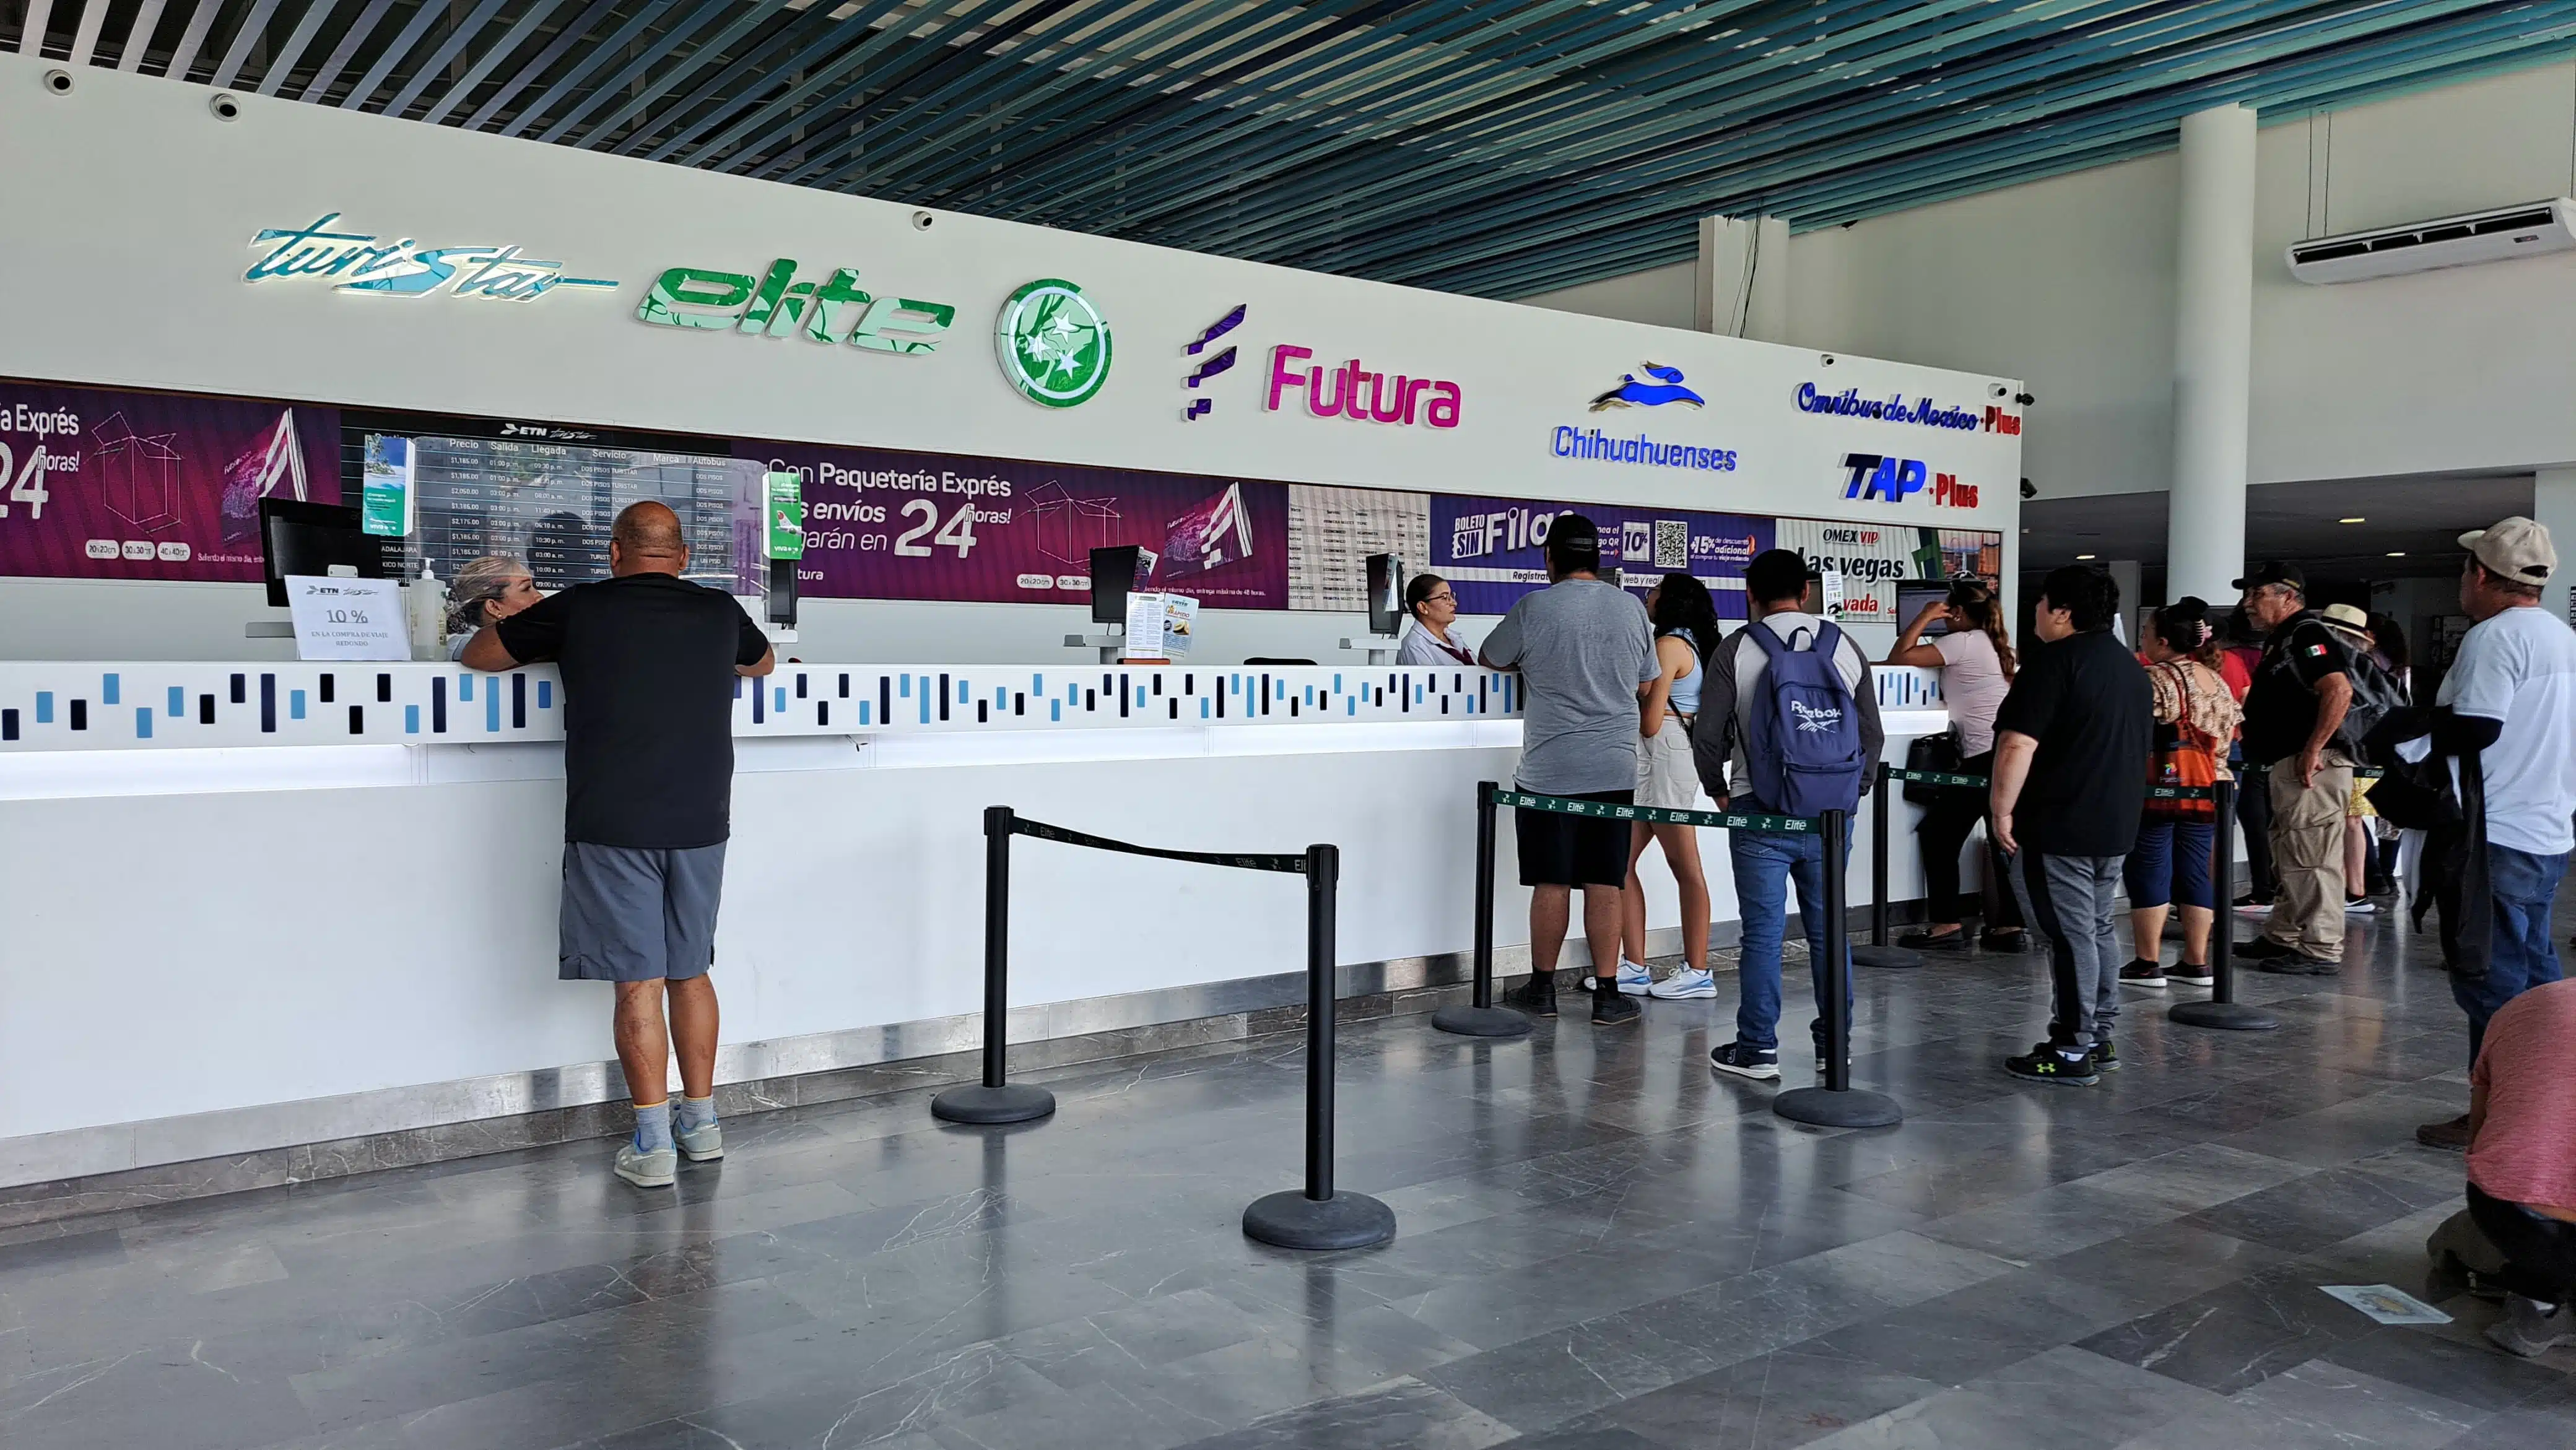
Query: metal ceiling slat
[
  {"x": 684, "y": 67},
  {"x": 319, "y": 88},
  {"x": 492, "y": 56},
  {"x": 1964, "y": 92},
  {"x": 1161, "y": 108},
  {"x": 781, "y": 118},
  {"x": 529, "y": 74},
  {"x": 838, "y": 35},
  {"x": 660, "y": 51},
  {"x": 138, "y": 36},
  {"x": 862, "y": 39},
  {"x": 850, "y": 114},
  {"x": 601, "y": 52},
  {"x": 404, "y": 41},
  {"x": 1143, "y": 157},
  {"x": 1032, "y": 82},
  {"x": 85, "y": 40},
  {"x": 1900, "y": 37},
  {"x": 253, "y": 29},
  {"x": 457, "y": 39},
  {"x": 183, "y": 56},
  {"x": 31, "y": 31},
  {"x": 275, "y": 73},
  {"x": 2163, "y": 109},
  {"x": 920, "y": 89},
  {"x": 754, "y": 63}
]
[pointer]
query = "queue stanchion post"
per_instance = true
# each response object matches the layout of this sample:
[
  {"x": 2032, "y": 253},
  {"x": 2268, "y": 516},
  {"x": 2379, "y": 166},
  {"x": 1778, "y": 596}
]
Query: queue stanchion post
[
  {"x": 995, "y": 1099},
  {"x": 1878, "y": 953},
  {"x": 1836, "y": 1103},
  {"x": 2222, "y": 1011},
  {"x": 1481, "y": 1018},
  {"x": 1318, "y": 1217}
]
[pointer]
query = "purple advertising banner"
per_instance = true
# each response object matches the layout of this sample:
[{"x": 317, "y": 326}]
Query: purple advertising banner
[
  {"x": 1492, "y": 549},
  {"x": 886, "y": 525},
  {"x": 102, "y": 485}
]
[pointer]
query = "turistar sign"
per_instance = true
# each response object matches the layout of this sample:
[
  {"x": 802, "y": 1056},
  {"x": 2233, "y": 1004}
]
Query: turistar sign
[{"x": 1053, "y": 343}]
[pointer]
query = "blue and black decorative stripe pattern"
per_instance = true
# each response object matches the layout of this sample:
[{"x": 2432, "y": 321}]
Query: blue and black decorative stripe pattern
[{"x": 65, "y": 706}]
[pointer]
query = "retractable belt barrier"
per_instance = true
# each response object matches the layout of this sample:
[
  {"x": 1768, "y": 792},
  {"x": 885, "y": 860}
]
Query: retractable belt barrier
[
  {"x": 1314, "y": 1218},
  {"x": 1835, "y": 1104}
]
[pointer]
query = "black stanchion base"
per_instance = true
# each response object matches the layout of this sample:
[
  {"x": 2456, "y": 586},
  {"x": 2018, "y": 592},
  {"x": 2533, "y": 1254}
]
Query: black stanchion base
[
  {"x": 1481, "y": 1021},
  {"x": 1291, "y": 1220},
  {"x": 2225, "y": 1016},
  {"x": 976, "y": 1103},
  {"x": 1890, "y": 957},
  {"x": 1823, "y": 1108}
]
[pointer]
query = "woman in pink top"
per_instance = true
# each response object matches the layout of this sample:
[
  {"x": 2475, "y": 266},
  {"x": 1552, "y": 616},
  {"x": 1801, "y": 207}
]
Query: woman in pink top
[{"x": 2522, "y": 1163}]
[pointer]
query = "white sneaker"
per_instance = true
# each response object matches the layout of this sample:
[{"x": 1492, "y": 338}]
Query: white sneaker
[
  {"x": 699, "y": 1145},
  {"x": 1685, "y": 984},
  {"x": 657, "y": 1169},
  {"x": 1634, "y": 980}
]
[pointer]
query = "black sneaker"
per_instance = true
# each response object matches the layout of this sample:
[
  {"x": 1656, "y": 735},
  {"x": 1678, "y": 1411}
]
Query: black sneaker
[
  {"x": 2262, "y": 949},
  {"x": 2143, "y": 973},
  {"x": 2250, "y": 899},
  {"x": 1744, "y": 1061},
  {"x": 2106, "y": 1058},
  {"x": 2297, "y": 964},
  {"x": 2192, "y": 974},
  {"x": 1924, "y": 941},
  {"x": 2050, "y": 1063},
  {"x": 1533, "y": 997},
  {"x": 1614, "y": 1009},
  {"x": 2015, "y": 940}
]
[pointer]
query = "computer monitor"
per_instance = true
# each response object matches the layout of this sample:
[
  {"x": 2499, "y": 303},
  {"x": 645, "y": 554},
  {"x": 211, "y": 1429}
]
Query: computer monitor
[
  {"x": 1385, "y": 593},
  {"x": 1911, "y": 597},
  {"x": 308, "y": 539},
  {"x": 1113, "y": 576}
]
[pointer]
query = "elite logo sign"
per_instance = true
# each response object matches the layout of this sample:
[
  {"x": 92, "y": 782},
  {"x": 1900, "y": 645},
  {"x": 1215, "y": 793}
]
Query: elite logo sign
[
  {"x": 1053, "y": 343},
  {"x": 364, "y": 262},
  {"x": 777, "y": 305},
  {"x": 1894, "y": 480},
  {"x": 1201, "y": 406}
]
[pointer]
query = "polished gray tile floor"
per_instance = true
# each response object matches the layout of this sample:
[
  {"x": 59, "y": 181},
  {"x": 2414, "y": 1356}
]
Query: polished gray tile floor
[{"x": 1602, "y": 1245}]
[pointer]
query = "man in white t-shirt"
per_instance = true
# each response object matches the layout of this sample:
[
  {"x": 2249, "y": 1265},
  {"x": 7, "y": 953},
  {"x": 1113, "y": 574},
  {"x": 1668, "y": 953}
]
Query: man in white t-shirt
[{"x": 2511, "y": 696}]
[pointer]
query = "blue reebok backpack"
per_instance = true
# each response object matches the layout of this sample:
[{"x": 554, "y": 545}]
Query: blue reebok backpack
[{"x": 1804, "y": 746}]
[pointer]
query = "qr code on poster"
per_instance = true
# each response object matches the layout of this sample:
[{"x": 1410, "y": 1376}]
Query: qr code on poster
[{"x": 1672, "y": 543}]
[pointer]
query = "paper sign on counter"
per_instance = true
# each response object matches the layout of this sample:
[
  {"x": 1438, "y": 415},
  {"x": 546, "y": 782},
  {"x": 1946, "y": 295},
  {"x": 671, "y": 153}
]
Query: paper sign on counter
[{"x": 347, "y": 619}]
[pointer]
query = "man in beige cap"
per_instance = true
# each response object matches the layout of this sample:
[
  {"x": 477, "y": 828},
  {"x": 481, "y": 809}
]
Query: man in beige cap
[{"x": 2510, "y": 699}]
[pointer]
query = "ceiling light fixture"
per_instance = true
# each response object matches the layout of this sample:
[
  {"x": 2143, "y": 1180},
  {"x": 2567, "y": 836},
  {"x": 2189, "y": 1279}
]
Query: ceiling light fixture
[
  {"x": 2080, "y": 558},
  {"x": 2356, "y": 519},
  {"x": 2397, "y": 553}
]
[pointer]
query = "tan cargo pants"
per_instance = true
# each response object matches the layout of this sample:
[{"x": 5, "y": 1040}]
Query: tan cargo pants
[{"x": 2307, "y": 855}]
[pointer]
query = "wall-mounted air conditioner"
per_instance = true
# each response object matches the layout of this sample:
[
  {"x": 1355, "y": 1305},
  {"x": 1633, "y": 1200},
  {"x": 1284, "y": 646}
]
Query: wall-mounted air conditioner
[{"x": 2452, "y": 241}]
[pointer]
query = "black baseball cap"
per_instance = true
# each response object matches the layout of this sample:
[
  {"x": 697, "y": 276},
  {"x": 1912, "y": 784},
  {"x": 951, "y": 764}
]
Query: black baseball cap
[{"x": 2273, "y": 571}]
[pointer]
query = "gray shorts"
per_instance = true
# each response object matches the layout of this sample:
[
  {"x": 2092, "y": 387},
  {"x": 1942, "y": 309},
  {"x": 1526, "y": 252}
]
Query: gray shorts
[{"x": 637, "y": 915}]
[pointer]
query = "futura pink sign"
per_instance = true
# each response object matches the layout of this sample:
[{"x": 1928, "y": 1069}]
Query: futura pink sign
[{"x": 1351, "y": 390}]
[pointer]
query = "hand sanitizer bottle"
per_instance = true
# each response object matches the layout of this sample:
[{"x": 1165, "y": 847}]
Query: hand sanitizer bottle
[{"x": 425, "y": 613}]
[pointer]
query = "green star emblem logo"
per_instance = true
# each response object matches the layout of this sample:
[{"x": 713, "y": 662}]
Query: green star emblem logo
[{"x": 1053, "y": 343}]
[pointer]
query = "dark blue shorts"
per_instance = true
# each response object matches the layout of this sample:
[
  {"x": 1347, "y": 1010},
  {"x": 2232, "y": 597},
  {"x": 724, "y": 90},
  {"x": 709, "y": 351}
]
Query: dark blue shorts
[
  {"x": 637, "y": 915},
  {"x": 2170, "y": 863}
]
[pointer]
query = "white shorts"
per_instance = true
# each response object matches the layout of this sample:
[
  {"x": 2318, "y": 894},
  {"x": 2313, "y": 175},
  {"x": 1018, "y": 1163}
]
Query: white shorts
[{"x": 1666, "y": 775}]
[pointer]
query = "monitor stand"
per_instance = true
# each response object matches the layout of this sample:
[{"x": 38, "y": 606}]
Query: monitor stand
[
  {"x": 269, "y": 629},
  {"x": 1111, "y": 643},
  {"x": 1377, "y": 654}
]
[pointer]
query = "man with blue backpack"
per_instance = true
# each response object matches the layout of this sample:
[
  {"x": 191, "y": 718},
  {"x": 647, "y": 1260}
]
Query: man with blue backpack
[{"x": 1788, "y": 726}]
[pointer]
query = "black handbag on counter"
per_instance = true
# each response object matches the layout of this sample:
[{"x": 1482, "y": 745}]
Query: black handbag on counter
[{"x": 1938, "y": 753}]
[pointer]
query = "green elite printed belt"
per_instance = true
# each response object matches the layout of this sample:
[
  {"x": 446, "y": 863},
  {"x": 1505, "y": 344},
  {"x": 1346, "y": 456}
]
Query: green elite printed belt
[
  {"x": 1655, "y": 815},
  {"x": 1935, "y": 777}
]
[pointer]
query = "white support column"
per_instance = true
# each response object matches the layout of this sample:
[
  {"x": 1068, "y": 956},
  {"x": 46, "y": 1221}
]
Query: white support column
[
  {"x": 2553, "y": 503},
  {"x": 2213, "y": 353},
  {"x": 1743, "y": 277}
]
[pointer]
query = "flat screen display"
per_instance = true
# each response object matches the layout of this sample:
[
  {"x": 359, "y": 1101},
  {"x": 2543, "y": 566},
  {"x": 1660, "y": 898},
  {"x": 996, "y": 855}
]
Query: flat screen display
[
  {"x": 1913, "y": 596},
  {"x": 1385, "y": 593},
  {"x": 308, "y": 539}
]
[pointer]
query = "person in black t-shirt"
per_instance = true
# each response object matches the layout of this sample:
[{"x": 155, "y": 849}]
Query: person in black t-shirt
[
  {"x": 649, "y": 663},
  {"x": 2070, "y": 776},
  {"x": 2293, "y": 714}
]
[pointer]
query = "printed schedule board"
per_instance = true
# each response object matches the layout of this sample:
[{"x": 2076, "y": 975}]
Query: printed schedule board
[
  {"x": 886, "y": 525},
  {"x": 113, "y": 485}
]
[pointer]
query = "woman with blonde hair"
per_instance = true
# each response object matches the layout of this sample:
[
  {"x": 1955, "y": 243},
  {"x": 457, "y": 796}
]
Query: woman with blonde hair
[{"x": 486, "y": 591}]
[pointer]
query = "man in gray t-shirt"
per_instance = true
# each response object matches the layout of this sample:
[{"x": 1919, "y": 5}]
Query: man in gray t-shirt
[{"x": 1586, "y": 657}]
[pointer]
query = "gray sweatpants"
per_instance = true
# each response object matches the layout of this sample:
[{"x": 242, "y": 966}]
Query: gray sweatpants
[{"x": 2071, "y": 900}]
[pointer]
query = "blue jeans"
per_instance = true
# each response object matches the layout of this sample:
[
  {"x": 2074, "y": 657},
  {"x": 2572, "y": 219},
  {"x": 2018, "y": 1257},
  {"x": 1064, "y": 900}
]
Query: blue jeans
[
  {"x": 1765, "y": 863},
  {"x": 2521, "y": 955}
]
